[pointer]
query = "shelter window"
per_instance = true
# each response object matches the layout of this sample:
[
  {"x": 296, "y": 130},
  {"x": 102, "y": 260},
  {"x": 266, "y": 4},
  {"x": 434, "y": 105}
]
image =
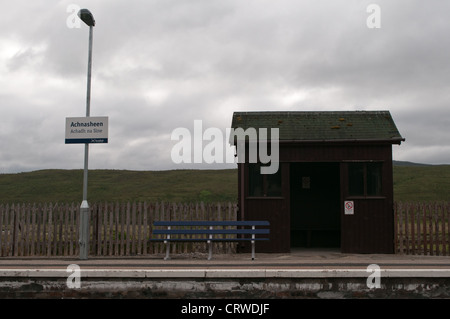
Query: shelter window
[
  {"x": 364, "y": 179},
  {"x": 263, "y": 185}
]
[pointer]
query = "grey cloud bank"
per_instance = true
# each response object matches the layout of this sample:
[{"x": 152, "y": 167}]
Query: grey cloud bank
[{"x": 160, "y": 65}]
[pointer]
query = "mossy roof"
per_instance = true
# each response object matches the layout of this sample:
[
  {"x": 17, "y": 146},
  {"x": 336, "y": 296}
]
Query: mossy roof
[{"x": 325, "y": 126}]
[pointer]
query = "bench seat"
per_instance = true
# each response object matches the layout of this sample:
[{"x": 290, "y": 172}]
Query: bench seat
[{"x": 207, "y": 230}]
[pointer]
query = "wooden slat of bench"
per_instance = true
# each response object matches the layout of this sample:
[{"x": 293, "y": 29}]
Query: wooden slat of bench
[
  {"x": 209, "y": 231},
  {"x": 238, "y": 239},
  {"x": 212, "y": 223},
  {"x": 316, "y": 229},
  {"x": 206, "y": 239}
]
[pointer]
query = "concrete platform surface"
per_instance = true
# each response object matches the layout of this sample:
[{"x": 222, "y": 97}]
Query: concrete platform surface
[
  {"x": 304, "y": 262},
  {"x": 303, "y": 273}
]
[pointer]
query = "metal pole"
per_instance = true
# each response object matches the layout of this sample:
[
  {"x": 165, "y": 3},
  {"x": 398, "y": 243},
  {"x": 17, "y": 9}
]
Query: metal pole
[{"x": 84, "y": 208}]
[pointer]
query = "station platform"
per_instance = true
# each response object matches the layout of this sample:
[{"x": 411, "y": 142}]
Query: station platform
[{"x": 302, "y": 273}]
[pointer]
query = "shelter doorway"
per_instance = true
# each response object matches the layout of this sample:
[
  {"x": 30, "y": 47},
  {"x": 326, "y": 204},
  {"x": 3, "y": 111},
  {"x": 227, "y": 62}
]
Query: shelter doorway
[{"x": 315, "y": 204}]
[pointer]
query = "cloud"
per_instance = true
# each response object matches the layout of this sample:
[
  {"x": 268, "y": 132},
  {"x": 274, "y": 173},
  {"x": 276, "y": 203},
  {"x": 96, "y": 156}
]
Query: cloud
[{"x": 159, "y": 65}]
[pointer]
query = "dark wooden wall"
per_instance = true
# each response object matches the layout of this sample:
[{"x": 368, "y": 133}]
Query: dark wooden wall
[{"x": 369, "y": 230}]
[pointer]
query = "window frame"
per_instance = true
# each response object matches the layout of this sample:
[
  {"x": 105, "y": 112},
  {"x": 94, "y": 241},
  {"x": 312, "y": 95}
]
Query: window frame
[
  {"x": 379, "y": 165},
  {"x": 265, "y": 183}
]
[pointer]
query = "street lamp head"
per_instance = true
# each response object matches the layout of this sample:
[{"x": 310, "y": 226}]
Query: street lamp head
[{"x": 87, "y": 17}]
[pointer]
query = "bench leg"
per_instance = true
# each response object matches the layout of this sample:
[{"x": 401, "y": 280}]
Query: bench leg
[
  {"x": 167, "y": 245},
  {"x": 167, "y": 250},
  {"x": 253, "y": 250},
  {"x": 210, "y": 245},
  {"x": 209, "y": 250},
  {"x": 253, "y": 244}
]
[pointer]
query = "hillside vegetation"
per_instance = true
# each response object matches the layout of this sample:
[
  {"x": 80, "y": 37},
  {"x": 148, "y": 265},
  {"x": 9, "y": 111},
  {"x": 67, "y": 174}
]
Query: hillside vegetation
[
  {"x": 422, "y": 183},
  {"x": 120, "y": 185},
  {"x": 411, "y": 183}
]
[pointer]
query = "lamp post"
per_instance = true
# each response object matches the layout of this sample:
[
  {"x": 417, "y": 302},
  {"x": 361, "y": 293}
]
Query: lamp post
[{"x": 87, "y": 17}]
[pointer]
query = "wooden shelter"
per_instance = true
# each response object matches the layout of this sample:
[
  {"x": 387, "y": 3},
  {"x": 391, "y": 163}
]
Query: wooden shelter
[{"x": 334, "y": 184}]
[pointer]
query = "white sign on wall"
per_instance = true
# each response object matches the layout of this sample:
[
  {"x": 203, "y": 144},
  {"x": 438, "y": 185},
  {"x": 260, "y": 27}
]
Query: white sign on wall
[
  {"x": 349, "y": 207},
  {"x": 82, "y": 130}
]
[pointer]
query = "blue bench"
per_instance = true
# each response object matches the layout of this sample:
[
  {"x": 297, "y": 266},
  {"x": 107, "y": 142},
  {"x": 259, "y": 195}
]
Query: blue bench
[{"x": 207, "y": 231}]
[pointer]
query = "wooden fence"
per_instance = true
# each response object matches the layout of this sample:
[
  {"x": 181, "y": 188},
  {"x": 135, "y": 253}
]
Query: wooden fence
[
  {"x": 122, "y": 229},
  {"x": 117, "y": 229},
  {"x": 422, "y": 228}
]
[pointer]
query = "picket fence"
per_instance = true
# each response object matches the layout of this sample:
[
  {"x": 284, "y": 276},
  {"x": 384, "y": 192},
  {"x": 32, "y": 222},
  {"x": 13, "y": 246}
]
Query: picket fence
[
  {"x": 122, "y": 229},
  {"x": 117, "y": 229},
  {"x": 422, "y": 228}
]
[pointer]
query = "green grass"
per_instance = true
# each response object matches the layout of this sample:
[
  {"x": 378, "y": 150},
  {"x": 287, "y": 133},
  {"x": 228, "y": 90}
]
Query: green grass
[
  {"x": 422, "y": 183},
  {"x": 411, "y": 183},
  {"x": 119, "y": 185}
]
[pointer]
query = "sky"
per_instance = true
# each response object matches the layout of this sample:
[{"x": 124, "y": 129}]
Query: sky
[{"x": 159, "y": 65}]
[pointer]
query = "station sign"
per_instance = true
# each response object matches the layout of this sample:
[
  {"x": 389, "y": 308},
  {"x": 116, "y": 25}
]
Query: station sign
[{"x": 86, "y": 130}]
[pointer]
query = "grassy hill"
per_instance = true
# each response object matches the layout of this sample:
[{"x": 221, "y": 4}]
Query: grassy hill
[
  {"x": 422, "y": 183},
  {"x": 119, "y": 185},
  {"x": 411, "y": 183}
]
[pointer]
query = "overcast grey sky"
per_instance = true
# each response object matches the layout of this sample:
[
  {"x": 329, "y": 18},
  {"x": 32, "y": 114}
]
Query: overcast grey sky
[{"x": 161, "y": 64}]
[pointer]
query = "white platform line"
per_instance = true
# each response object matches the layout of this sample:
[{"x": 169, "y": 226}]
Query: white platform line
[{"x": 226, "y": 273}]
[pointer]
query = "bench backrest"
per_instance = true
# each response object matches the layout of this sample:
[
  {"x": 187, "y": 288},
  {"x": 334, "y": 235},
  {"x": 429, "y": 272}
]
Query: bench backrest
[
  {"x": 209, "y": 231},
  {"x": 212, "y": 223},
  {"x": 206, "y": 227}
]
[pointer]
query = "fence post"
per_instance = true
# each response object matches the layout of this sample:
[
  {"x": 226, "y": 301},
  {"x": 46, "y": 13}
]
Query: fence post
[
  {"x": 418, "y": 236},
  {"x": 400, "y": 228},
  {"x": 127, "y": 252},
  {"x": 447, "y": 214},
  {"x": 412, "y": 228},
  {"x": 445, "y": 249},
  {"x": 133, "y": 229},
  {"x": 424, "y": 228},
  {"x": 16, "y": 212},
  {"x": 407, "y": 230},
  {"x": 2, "y": 232}
]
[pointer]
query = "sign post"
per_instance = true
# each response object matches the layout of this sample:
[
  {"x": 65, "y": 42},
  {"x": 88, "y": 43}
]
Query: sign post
[
  {"x": 79, "y": 132},
  {"x": 86, "y": 130}
]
